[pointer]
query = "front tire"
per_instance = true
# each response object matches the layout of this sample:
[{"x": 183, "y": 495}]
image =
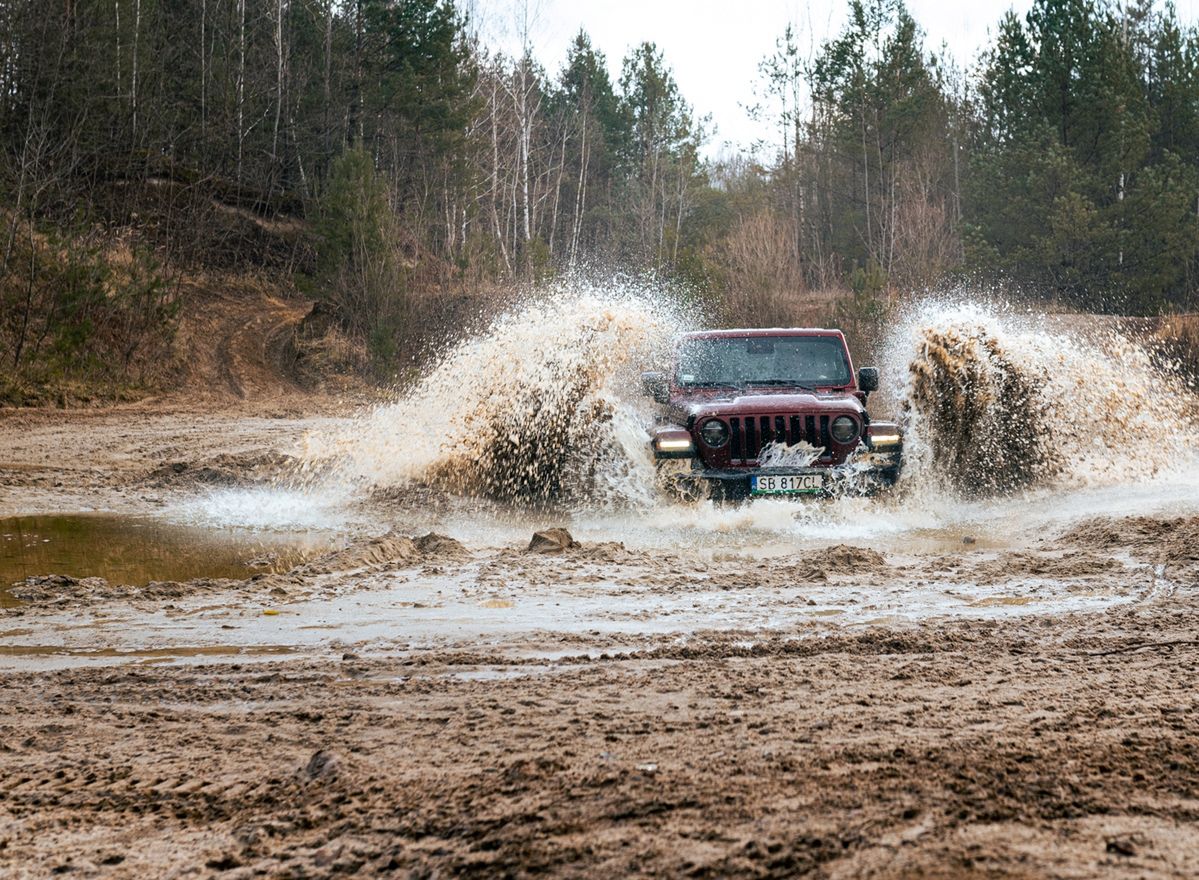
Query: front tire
[
  {"x": 728, "y": 491},
  {"x": 675, "y": 481}
]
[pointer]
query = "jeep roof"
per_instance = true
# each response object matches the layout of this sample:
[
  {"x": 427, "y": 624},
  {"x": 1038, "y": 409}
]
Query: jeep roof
[{"x": 761, "y": 331}]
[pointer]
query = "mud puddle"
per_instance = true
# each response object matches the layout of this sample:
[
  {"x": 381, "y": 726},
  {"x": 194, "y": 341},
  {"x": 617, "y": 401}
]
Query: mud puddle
[
  {"x": 139, "y": 550},
  {"x": 507, "y": 604}
]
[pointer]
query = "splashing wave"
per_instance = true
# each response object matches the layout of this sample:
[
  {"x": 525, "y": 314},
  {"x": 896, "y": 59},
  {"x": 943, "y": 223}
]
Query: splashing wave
[
  {"x": 997, "y": 402},
  {"x": 534, "y": 410}
]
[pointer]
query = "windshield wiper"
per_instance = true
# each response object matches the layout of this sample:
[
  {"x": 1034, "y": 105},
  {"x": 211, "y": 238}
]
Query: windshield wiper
[
  {"x": 780, "y": 382},
  {"x": 742, "y": 386}
]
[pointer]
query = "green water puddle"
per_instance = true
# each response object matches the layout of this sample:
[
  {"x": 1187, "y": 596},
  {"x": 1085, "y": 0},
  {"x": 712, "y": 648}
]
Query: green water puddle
[{"x": 138, "y": 550}]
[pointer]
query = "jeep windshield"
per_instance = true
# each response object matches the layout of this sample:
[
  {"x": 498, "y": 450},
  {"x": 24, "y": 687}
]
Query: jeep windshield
[{"x": 738, "y": 361}]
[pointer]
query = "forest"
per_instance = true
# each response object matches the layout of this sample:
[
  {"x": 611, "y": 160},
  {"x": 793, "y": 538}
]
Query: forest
[{"x": 372, "y": 152}]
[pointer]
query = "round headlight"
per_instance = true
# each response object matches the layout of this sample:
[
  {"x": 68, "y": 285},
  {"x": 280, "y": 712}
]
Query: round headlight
[
  {"x": 844, "y": 429},
  {"x": 714, "y": 433}
]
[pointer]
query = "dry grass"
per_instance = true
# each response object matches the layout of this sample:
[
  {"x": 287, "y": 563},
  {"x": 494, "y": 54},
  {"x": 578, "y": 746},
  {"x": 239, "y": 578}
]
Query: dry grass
[{"x": 1177, "y": 336}]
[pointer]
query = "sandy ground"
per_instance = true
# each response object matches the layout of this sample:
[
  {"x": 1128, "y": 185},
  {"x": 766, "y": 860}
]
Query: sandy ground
[{"x": 677, "y": 700}]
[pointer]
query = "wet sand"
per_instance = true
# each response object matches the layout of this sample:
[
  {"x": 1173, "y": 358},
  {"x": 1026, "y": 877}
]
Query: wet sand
[
  {"x": 1026, "y": 748},
  {"x": 709, "y": 694}
]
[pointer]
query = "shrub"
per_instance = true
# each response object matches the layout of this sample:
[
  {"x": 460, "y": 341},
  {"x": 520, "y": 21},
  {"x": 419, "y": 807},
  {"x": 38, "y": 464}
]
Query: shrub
[
  {"x": 360, "y": 268},
  {"x": 74, "y": 311}
]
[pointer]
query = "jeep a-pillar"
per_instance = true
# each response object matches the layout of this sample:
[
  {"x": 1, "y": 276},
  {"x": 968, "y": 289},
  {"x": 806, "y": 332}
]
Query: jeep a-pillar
[{"x": 769, "y": 412}]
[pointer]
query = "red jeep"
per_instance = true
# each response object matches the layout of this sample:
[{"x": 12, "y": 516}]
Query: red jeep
[{"x": 769, "y": 412}]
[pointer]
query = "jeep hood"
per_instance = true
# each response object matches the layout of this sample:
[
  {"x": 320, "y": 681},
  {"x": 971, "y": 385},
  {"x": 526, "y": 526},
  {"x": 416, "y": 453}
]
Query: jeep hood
[{"x": 807, "y": 403}]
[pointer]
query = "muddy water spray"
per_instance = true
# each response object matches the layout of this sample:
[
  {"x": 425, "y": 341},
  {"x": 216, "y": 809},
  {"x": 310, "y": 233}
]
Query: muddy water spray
[
  {"x": 542, "y": 407},
  {"x": 1002, "y": 402}
]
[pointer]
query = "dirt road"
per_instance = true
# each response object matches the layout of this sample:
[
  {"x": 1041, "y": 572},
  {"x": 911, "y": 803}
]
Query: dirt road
[{"x": 852, "y": 692}]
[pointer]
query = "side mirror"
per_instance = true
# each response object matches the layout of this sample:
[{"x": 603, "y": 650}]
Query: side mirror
[
  {"x": 868, "y": 379},
  {"x": 655, "y": 386}
]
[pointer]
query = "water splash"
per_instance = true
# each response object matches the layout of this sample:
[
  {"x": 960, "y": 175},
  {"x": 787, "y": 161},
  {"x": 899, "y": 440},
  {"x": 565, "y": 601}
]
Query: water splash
[
  {"x": 1016, "y": 424},
  {"x": 544, "y": 407},
  {"x": 996, "y": 401},
  {"x": 274, "y": 508},
  {"x": 798, "y": 454},
  {"x": 535, "y": 410}
]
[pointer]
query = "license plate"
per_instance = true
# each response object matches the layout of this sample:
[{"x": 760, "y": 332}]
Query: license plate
[{"x": 797, "y": 484}]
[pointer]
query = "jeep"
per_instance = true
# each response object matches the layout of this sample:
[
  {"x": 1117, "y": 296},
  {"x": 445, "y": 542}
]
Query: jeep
[{"x": 769, "y": 412}]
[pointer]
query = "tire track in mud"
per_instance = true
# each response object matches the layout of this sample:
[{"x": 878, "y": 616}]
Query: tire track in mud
[
  {"x": 993, "y": 753},
  {"x": 236, "y": 343}
]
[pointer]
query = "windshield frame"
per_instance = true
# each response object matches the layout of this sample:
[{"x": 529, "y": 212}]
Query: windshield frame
[{"x": 834, "y": 339}]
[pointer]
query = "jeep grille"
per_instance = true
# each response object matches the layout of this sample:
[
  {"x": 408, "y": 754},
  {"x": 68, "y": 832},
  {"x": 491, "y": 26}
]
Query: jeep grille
[{"x": 748, "y": 435}]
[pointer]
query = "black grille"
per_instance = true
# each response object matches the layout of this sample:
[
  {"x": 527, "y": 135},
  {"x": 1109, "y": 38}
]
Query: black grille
[{"x": 748, "y": 435}]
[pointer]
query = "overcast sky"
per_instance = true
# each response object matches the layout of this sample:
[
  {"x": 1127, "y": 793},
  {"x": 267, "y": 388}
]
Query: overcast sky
[{"x": 715, "y": 46}]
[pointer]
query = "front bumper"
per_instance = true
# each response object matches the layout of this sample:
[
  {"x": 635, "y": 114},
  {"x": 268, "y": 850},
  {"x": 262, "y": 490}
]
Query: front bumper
[{"x": 859, "y": 477}]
